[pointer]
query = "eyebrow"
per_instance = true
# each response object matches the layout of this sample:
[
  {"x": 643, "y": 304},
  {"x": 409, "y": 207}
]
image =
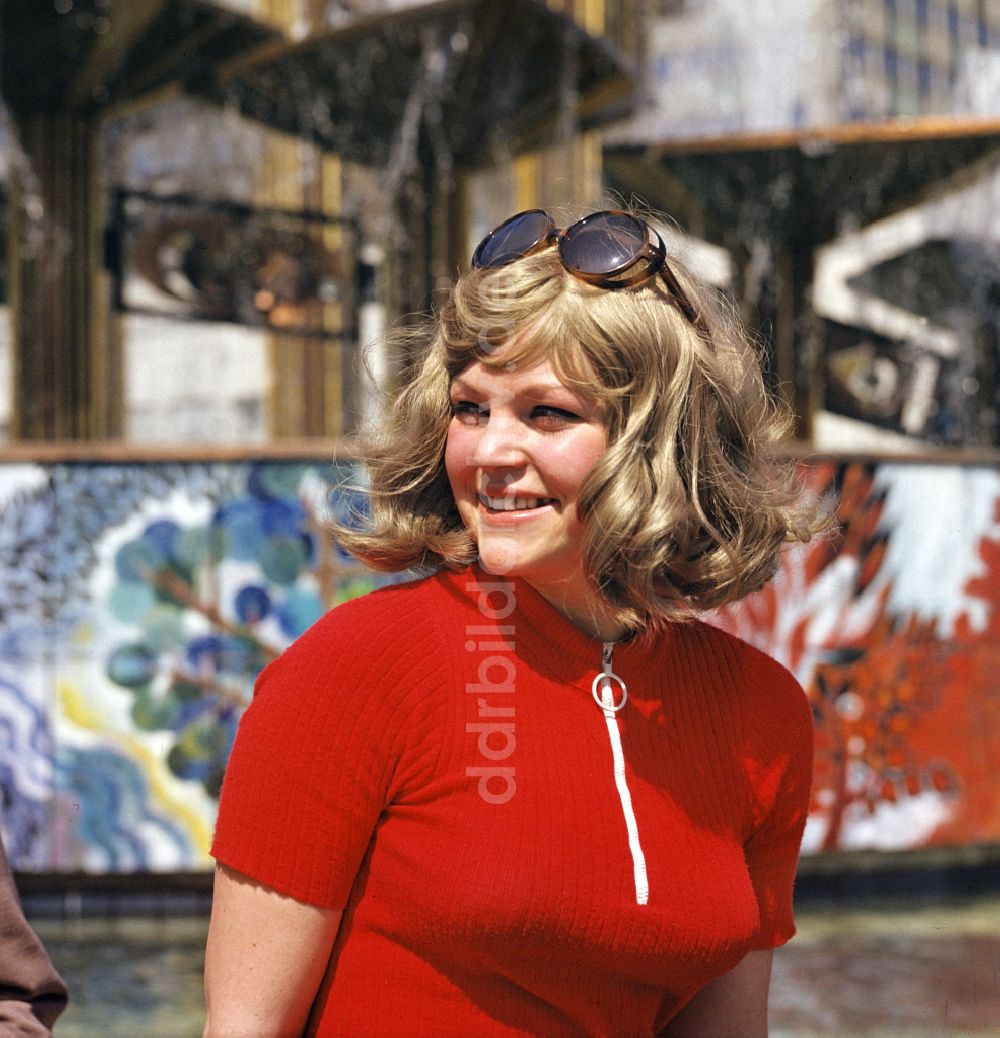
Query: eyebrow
[{"x": 535, "y": 390}]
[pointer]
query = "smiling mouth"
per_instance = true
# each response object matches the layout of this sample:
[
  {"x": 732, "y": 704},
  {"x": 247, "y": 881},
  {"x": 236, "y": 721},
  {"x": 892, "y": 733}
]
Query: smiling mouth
[{"x": 514, "y": 504}]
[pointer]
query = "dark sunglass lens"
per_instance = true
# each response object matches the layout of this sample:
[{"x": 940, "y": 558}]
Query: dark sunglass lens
[
  {"x": 517, "y": 237},
  {"x": 603, "y": 244}
]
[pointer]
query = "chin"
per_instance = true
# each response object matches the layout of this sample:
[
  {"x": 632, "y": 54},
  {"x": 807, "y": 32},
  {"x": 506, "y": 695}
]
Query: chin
[{"x": 500, "y": 563}]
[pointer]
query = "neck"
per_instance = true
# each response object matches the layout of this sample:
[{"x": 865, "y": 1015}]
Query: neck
[{"x": 589, "y": 613}]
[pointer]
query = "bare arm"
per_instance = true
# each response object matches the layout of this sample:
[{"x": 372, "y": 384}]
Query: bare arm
[
  {"x": 265, "y": 959},
  {"x": 732, "y": 1006}
]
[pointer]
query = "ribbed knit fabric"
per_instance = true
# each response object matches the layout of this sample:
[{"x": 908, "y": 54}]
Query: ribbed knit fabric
[{"x": 430, "y": 758}]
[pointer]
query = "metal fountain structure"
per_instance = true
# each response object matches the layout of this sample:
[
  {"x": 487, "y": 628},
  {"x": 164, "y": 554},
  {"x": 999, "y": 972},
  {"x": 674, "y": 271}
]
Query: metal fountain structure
[{"x": 426, "y": 91}]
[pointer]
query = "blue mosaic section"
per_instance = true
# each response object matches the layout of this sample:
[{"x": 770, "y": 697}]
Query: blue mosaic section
[{"x": 138, "y": 602}]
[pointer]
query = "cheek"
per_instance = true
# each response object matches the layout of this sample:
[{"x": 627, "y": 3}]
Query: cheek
[
  {"x": 578, "y": 461},
  {"x": 456, "y": 453}
]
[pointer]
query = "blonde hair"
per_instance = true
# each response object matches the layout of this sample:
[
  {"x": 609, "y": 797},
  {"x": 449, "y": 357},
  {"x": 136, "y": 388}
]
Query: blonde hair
[{"x": 685, "y": 511}]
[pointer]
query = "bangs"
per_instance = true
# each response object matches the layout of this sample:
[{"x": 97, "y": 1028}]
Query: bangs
[{"x": 523, "y": 314}]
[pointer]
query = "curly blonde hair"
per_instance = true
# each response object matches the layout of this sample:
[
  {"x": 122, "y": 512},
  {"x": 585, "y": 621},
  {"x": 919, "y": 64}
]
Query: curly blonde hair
[{"x": 687, "y": 508}]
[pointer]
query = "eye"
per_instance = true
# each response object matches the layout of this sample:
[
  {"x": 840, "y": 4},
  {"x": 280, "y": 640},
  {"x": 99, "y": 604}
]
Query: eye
[
  {"x": 467, "y": 412},
  {"x": 550, "y": 417}
]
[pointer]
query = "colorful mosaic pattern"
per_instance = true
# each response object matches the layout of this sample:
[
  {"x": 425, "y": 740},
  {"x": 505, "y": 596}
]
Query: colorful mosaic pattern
[
  {"x": 892, "y": 627},
  {"x": 139, "y": 601},
  {"x": 138, "y": 604}
]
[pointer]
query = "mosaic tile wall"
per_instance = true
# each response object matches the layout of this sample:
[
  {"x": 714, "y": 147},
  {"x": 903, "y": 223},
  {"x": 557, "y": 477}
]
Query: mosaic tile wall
[{"x": 138, "y": 601}]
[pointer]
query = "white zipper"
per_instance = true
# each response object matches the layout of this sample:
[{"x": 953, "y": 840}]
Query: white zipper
[{"x": 603, "y": 691}]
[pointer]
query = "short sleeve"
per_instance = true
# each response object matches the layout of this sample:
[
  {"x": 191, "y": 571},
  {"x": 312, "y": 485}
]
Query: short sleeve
[
  {"x": 779, "y": 758},
  {"x": 333, "y": 732}
]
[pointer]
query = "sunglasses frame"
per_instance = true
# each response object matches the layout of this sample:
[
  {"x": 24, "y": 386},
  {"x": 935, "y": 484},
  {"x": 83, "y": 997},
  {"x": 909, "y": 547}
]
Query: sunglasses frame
[{"x": 653, "y": 251}]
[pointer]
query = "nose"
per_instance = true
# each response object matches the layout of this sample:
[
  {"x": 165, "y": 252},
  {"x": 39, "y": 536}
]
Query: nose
[{"x": 500, "y": 444}]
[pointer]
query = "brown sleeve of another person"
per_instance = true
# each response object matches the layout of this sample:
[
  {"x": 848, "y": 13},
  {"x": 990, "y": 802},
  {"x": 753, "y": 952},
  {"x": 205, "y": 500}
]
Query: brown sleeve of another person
[{"x": 32, "y": 994}]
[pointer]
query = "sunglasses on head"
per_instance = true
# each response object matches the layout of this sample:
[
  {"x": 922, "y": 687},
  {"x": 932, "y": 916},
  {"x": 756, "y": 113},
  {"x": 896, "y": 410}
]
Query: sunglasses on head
[{"x": 610, "y": 249}]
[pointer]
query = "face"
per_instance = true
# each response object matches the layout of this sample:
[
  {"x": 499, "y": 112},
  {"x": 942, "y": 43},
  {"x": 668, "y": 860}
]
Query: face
[{"x": 519, "y": 447}]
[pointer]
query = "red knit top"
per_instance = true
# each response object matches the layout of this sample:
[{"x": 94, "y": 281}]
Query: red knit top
[{"x": 513, "y": 859}]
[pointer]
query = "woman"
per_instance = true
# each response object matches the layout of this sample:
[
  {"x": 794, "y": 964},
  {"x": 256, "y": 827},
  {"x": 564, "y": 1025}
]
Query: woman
[{"x": 531, "y": 794}]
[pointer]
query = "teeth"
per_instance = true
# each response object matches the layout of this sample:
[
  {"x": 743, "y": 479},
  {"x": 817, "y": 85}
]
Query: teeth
[{"x": 511, "y": 504}]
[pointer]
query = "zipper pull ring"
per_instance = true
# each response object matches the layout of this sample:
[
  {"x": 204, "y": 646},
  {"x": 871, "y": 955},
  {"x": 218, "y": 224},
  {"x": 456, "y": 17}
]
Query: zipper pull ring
[{"x": 601, "y": 687}]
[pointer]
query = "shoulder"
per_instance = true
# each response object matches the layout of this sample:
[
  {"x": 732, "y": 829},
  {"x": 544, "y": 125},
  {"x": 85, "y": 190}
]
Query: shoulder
[
  {"x": 407, "y": 598},
  {"x": 396, "y": 629},
  {"x": 740, "y": 658},
  {"x": 359, "y": 676},
  {"x": 403, "y": 612},
  {"x": 769, "y": 696}
]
